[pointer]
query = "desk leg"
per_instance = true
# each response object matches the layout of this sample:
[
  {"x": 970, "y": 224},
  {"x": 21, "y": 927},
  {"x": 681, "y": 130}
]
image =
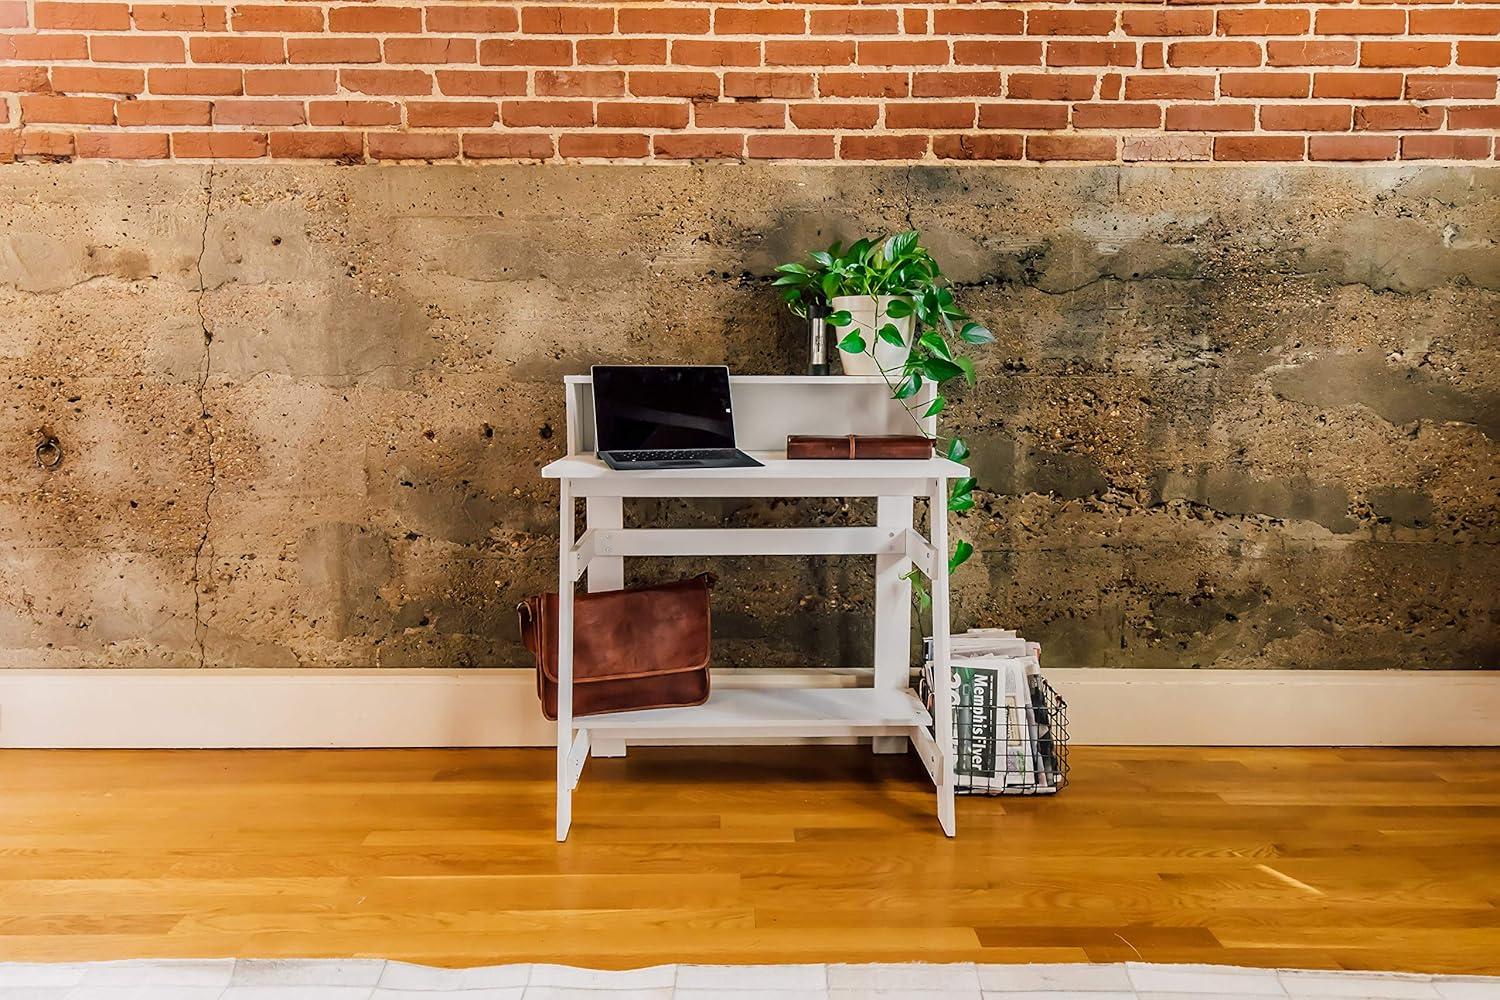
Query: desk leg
[
  {"x": 564, "y": 658},
  {"x": 942, "y": 671},
  {"x": 892, "y": 611}
]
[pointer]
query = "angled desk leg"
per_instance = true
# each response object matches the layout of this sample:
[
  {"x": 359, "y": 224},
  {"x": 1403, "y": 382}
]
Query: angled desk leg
[
  {"x": 942, "y": 671},
  {"x": 892, "y": 610},
  {"x": 605, "y": 573},
  {"x": 564, "y": 658}
]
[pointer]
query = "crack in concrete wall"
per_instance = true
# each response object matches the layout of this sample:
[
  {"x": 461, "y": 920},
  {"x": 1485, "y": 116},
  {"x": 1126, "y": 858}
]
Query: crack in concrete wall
[{"x": 200, "y": 629}]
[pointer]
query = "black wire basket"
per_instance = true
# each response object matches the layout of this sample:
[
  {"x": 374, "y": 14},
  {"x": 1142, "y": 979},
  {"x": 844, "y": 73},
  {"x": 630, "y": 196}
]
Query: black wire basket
[{"x": 1004, "y": 748}]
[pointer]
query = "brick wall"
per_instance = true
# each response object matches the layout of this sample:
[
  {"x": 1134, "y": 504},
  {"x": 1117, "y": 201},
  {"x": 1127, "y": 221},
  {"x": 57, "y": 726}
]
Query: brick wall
[{"x": 1366, "y": 81}]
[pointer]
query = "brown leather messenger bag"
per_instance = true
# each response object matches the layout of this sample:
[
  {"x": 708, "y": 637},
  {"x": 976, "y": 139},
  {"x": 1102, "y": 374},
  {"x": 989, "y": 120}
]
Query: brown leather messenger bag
[{"x": 644, "y": 647}]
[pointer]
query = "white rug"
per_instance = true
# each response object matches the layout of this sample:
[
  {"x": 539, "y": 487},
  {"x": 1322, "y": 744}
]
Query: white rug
[{"x": 229, "y": 979}]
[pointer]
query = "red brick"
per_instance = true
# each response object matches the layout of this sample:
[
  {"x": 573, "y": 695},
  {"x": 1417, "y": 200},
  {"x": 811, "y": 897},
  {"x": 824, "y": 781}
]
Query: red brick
[
  {"x": 533, "y": 113},
  {"x": 481, "y": 82},
  {"x": 481, "y": 19},
  {"x": 759, "y": 21},
  {"x": 148, "y": 112},
  {"x": 44, "y": 48},
  {"x": 579, "y": 83},
  {"x": 13, "y": 14},
  {"x": 1070, "y": 22},
  {"x": 430, "y": 51},
  {"x": 1449, "y": 86},
  {"x": 1177, "y": 87},
  {"x": 698, "y": 147},
  {"x": 1259, "y": 147},
  {"x": 1214, "y": 54},
  {"x": 623, "y": 51},
  {"x": 526, "y": 52},
  {"x": 740, "y": 114},
  {"x": 255, "y": 112},
  {"x": 136, "y": 49},
  {"x": 218, "y": 145},
  {"x": 335, "y": 51},
  {"x": 1091, "y": 53},
  {"x": 659, "y": 20},
  {"x": 699, "y": 52},
  {"x": 410, "y": 146},
  {"x": 1265, "y": 84},
  {"x": 568, "y": 20},
  {"x": 639, "y": 114},
  {"x": 855, "y": 22},
  {"x": 914, "y": 21},
  {"x": 1112, "y": 115},
  {"x": 386, "y": 81},
  {"x": 274, "y": 17},
  {"x": 1306, "y": 117},
  {"x": 828, "y": 115},
  {"x": 930, "y": 115},
  {"x": 357, "y": 113},
  {"x": 1357, "y": 85},
  {"x": 1052, "y": 86},
  {"x": 82, "y": 16},
  {"x": 997, "y": 53},
  {"x": 956, "y": 84},
  {"x": 27, "y": 79},
  {"x": 604, "y": 145},
  {"x": 318, "y": 145},
  {"x": 1070, "y": 147},
  {"x": 177, "y": 17},
  {"x": 506, "y": 146},
  {"x": 810, "y": 53},
  {"x": 1351, "y": 147},
  {"x": 1479, "y": 53},
  {"x": 790, "y": 147},
  {"x": 274, "y": 82},
  {"x": 863, "y": 84},
  {"x": 1456, "y": 21},
  {"x": 93, "y": 80},
  {"x": 122, "y": 145},
  {"x": 1361, "y": 21},
  {"x": 51, "y": 145},
  {"x": 1398, "y": 118},
  {"x": 1446, "y": 147},
  {"x": 987, "y": 146},
  {"x": 1302, "y": 53},
  {"x": 243, "y": 49},
  {"x": 1014, "y": 114},
  {"x": 1264, "y": 21},
  {"x": 68, "y": 110},
  {"x": 1210, "y": 118},
  {"x": 1405, "y": 54},
  {"x": 1474, "y": 116},
  {"x": 768, "y": 85},
  {"x": 1111, "y": 86},
  {"x": 882, "y": 147},
  {"x": 1153, "y": 55},
  {"x": 903, "y": 53},
  {"x": 373, "y": 19},
  {"x": 1167, "y": 148},
  {"x": 978, "y": 22},
  {"x": 1168, "y": 23},
  {"x": 651, "y": 83}
]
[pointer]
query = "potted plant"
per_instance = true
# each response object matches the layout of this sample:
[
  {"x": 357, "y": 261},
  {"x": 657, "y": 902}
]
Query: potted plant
[{"x": 896, "y": 318}]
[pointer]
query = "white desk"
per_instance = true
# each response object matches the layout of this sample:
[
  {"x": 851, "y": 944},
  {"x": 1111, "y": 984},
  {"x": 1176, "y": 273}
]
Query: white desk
[{"x": 766, "y": 410}]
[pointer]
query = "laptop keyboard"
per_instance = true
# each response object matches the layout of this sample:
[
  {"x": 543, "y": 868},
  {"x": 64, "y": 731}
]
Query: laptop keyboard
[{"x": 669, "y": 455}]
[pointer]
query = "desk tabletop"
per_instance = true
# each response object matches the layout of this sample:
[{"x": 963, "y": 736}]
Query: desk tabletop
[{"x": 775, "y": 466}]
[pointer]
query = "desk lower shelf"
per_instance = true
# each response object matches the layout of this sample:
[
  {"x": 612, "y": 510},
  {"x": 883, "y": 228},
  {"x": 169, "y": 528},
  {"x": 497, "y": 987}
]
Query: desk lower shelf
[{"x": 757, "y": 714}]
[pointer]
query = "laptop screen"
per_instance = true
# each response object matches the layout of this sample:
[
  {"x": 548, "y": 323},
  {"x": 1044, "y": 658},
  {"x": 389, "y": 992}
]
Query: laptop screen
[{"x": 662, "y": 406}]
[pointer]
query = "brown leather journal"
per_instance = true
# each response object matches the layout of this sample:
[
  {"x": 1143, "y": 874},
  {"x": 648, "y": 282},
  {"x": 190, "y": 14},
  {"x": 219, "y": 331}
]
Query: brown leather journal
[
  {"x": 645, "y": 647},
  {"x": 859, "y": 446}
]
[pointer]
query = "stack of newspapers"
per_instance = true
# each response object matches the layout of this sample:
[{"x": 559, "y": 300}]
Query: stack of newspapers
[{"x": 1005, "y": 735}]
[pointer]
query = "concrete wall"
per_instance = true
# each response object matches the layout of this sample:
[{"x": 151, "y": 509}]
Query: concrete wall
[{"x": 1236, "y": 417}]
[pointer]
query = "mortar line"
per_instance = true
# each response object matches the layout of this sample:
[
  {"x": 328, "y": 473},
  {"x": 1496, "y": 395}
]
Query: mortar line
[{"x": 204, "y": 369}]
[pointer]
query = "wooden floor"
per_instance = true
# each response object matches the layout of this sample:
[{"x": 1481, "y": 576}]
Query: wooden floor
[{"x": 1299, "y": 858}]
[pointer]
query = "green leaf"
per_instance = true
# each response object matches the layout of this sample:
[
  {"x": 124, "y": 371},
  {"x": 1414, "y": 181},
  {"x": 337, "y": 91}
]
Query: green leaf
[
  {"x": 909, "y": 388},
  {"x": 935, "y": 407},
  {"x": 918, "y": 589},
  {"x": 973, "y": 333},
  {"x": 962, "y": 487},
  {"x": 791, "y": 269},
  {"x": 789, "y": 279},
  {"x": 840, "y": 318},
  {"x": 830, "y": 284},
  {"x": 940, "y": 370},
  {"x": 958, "y": 450},
  {"x": 960, "y": 504},
  {"x": 853, "y": 344},
  {"x": 891, "y": 335},
  {"x": 961, "y": 553},
  {"x": 899, "y": 309},
  {"x": 967, "y": 367},
  {"x": 937, "y": 345},
  {"x": 822, "y": 257}
]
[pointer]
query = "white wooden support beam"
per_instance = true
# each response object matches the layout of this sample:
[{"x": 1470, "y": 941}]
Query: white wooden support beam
[
  {"x": 744, "y": 541},
  {"x": 582, "y": 554},
  {"x": 919, "y": 550},
  {"x": 578, "y": 755}
]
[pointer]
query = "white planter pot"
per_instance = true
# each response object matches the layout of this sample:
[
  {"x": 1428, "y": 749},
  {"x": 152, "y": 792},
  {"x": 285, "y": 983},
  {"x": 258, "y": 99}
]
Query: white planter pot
[{"x": 869, "y": 316}]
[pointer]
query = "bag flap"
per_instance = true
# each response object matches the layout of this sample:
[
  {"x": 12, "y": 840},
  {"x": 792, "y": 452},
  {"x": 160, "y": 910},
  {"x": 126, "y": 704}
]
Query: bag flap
[{"x": 624, "y": 634}]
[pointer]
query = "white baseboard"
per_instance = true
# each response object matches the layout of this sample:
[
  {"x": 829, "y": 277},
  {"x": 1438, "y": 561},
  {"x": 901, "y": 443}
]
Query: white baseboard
[{"x": 483, "y": 708}]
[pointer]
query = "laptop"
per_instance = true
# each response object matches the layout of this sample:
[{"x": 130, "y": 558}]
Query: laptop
[{"x": 665, "y": 417}]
